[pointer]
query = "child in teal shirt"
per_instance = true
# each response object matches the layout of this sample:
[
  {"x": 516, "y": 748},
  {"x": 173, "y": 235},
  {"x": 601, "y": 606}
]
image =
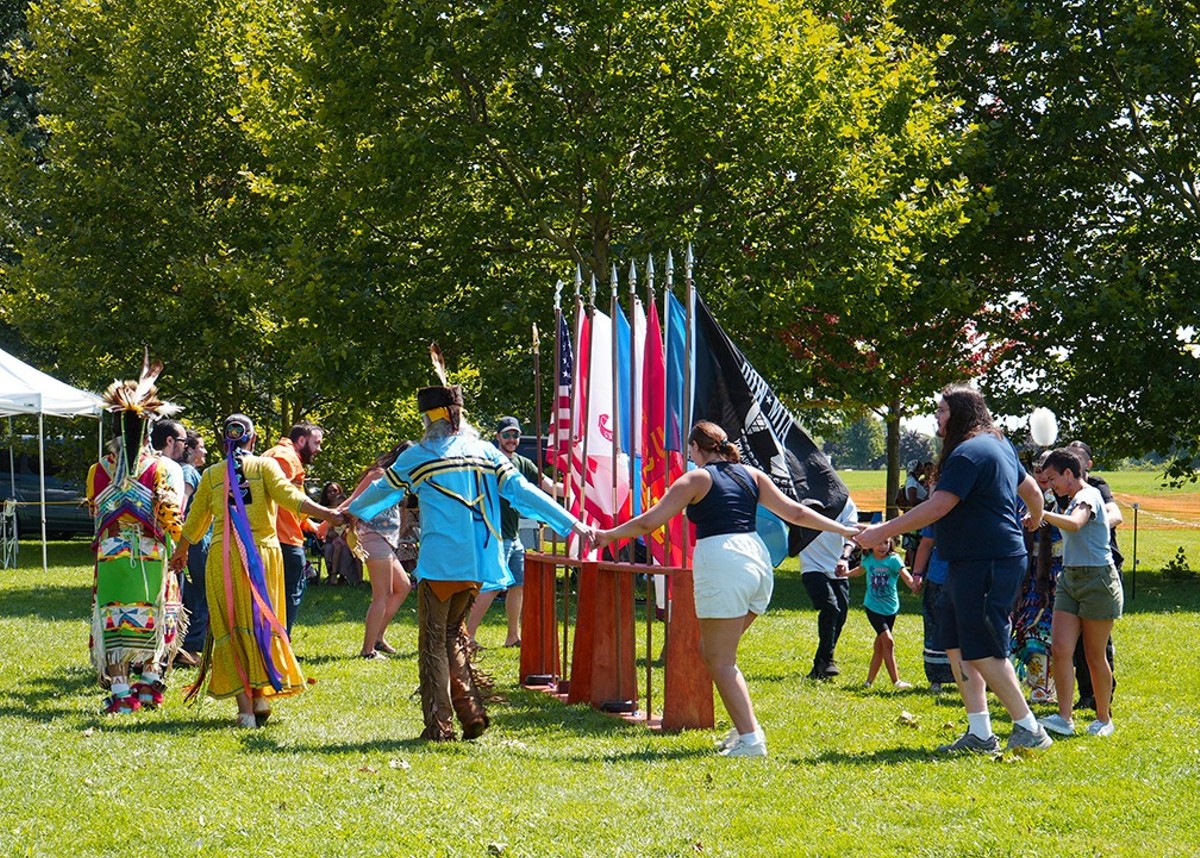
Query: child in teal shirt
[{"x": 883, "y": 567}]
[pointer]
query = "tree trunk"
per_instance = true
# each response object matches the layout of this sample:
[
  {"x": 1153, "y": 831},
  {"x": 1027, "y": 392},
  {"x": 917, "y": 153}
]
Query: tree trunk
[{"x": 892, "y": 422}]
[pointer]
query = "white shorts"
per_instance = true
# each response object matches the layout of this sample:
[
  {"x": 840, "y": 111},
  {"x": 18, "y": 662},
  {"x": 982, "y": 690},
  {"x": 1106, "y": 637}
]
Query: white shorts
[{"x": 733, "y": 576}]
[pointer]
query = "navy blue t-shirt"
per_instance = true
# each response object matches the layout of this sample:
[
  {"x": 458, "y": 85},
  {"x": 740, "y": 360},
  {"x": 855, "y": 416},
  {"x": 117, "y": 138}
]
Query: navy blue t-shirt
[{"x": 983, "y": 473}]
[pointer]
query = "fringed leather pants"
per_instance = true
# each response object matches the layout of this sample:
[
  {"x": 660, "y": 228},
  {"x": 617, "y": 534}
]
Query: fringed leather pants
[{"x": 447, "y": 688}]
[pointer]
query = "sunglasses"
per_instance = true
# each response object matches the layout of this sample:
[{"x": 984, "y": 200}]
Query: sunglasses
[{"x": 510, "y": 433}]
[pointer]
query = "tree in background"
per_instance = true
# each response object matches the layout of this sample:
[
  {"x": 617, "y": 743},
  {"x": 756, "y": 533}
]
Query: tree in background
[
  {"x": 288, "y": 202},
  {"x": 915, "y": 446},
  {"x": 858, "y": 444},
  {"x": 1089, "y": 116}
]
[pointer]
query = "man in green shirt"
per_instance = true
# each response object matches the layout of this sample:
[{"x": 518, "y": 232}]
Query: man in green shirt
[{"x": 508, "y": 436}]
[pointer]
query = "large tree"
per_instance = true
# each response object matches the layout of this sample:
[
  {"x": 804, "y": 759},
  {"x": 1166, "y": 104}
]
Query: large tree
[
  {"x": 493, "y": 144},
  {"x": 289, "y": 200},
  {"x": 1090, "y": 114}
]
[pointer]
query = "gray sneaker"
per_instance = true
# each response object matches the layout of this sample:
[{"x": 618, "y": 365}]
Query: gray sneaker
[
  {"x": 968, "y": 742},
  {"x": 1033, "y": 740}
]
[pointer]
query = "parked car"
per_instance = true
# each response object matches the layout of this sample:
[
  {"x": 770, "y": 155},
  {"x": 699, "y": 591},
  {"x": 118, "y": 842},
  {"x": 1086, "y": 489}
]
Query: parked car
[{"x": 67, "y": 514}]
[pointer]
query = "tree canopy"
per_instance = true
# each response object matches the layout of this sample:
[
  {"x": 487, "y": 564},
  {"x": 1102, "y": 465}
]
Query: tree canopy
[{"x": 287, "y": 201}]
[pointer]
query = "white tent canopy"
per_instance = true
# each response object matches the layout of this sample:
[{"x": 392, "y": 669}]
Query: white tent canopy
[{"x": 25, "y": 390}]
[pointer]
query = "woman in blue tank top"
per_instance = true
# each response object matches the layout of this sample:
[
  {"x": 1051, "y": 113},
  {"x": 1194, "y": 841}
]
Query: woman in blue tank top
[{"x": 731, "y": 565}]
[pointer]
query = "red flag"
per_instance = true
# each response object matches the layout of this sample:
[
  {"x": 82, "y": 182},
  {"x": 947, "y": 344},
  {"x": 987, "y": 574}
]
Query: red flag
[{"x": 654, "y": 421}]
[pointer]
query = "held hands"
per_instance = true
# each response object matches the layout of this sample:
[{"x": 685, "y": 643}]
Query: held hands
[
  {"x": 178, "y": 561},
  {"x": 1030, "y": 524},
  {"x": 871, "y": 536},
  {"x": 587, "y": 534},
  {"x": 842, "y": 569}
]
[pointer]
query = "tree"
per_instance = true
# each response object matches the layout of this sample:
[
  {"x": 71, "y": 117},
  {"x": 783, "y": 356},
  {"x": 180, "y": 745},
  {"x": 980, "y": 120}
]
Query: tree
[
  {"x": 804, "y": 157},
  {"x": 310, "y": 194},
  {"x": 859, "y": 445},
  {"x": 1089, "y": 118},
  {"x": 916, "y": 447}
]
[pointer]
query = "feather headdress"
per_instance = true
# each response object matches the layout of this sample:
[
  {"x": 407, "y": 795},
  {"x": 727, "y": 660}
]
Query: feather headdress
[
  {"x": 445, "y": 395},
  {"x": 140, "y": 396},
  {"x": 439, "y": 363}
]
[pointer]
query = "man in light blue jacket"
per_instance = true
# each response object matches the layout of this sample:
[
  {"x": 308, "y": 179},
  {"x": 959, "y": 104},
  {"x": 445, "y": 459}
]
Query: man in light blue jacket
[{"x": 459, "y": 480}]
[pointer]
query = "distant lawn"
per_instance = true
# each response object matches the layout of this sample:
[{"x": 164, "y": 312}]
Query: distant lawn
[
  {"x": 1167, "y": 519},
  {"x": 339, "y": 772}
]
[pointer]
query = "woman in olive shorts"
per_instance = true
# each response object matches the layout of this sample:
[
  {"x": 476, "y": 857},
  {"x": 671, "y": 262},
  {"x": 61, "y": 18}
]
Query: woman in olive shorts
[{"x": 1089, "y": 597}]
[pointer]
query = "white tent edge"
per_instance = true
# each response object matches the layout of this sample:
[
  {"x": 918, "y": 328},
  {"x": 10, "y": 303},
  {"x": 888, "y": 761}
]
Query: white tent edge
[{"x": 27, "y": 390}]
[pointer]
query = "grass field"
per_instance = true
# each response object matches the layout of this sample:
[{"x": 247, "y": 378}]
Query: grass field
[
  {"x": 1167, "y": 519},
  {"x": 338, "y": 771}
]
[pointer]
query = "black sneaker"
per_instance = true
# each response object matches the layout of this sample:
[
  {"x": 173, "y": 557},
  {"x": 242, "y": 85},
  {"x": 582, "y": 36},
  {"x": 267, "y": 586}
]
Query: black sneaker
[
  {"x": 831, "y": 670},
  {"x": 968, "y": 742},
  {"x": 1085, "y": 703},
  {"x": 1036, "y": 739}
]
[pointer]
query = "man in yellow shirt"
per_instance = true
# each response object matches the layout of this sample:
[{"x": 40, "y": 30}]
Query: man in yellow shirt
[{"x": 293, "y": 453}]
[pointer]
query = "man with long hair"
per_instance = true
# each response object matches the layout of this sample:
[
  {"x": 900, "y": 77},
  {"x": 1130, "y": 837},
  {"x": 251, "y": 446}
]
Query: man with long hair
[{"x": 978, "y": 526}]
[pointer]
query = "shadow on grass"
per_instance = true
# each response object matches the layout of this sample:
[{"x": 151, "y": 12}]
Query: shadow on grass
[
  {"x": 882, "y": 756},
  {"x": 47, "y": 602}
]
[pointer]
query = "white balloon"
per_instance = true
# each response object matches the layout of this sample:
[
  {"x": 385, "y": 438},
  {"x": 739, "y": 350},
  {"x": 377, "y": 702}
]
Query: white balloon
[{"x": 1043, "y": 427}]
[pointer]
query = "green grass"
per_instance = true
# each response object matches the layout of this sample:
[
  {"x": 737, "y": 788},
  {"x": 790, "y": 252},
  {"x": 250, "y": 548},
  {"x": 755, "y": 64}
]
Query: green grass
[{"x": 337, "y": 771}]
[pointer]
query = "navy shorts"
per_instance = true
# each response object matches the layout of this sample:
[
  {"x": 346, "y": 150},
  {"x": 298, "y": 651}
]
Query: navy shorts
[
  {"x": 880, "y": 622},
  {"x": 975, "y": 612}
]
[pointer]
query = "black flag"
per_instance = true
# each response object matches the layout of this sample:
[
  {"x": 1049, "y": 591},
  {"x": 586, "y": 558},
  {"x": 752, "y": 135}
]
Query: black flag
[{"x": 731, "y": 393}]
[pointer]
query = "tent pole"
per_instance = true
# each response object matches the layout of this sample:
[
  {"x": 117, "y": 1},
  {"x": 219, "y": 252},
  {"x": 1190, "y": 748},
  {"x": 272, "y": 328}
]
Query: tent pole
[
  {"x": 12, "y": 465},
  {"x": 42, "y": 477}
]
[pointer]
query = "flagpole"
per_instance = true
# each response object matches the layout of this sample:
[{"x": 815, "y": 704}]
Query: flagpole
[
  {"x": 634, "y": 425},
  {"x": 569, "y": 484},
  {"x": 537, "y": 394},
  {"x": 689, "y": 296},
  {"x": 666, "y": 322},
  {"x": 621, "y": 705},
  {"x": 636, "y": 404},
  {"x": 558, "y": 287},
  {"x": 615, "y": 341},
  {"x": 589, "y": 309}
]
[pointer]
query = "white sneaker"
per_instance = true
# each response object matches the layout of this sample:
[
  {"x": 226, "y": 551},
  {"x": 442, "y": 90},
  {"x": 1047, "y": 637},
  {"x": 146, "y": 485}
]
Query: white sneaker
[
  {"x": 729, "y": 740},
  {"x": 1100, "y": 728},
  {"x": 901, "y": 685},
  {"x": 742, "y": 748},
  {"x": 1058, "y": 724}
]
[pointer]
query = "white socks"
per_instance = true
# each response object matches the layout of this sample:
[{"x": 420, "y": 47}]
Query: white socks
[
  {"x": 1029, "y": 722},
  {"x": 980, "y": 724}
]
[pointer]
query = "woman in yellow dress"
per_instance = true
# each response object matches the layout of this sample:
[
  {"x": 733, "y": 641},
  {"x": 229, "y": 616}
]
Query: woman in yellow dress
[{"x": 248, "y": 654}]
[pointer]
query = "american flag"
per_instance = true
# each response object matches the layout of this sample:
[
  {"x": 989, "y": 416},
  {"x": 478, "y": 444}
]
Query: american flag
[{"x": 566, "y": 366}]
